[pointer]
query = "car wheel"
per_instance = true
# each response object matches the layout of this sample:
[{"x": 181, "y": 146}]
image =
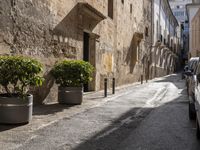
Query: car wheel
[
  {"x": 192, "y": 113},
  {"x": 197, "y": 129}
]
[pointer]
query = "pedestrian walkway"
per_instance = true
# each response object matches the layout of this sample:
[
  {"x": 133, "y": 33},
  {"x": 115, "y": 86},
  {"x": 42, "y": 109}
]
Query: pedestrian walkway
[
  {"x": 53, "y": 113},
  {"x": 45, "y": 115}
]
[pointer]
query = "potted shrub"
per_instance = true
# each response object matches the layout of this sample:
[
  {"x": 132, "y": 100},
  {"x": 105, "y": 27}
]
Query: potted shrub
[
  {"x": 71, "y": 75},
  {"x": 17, "y": 74}
]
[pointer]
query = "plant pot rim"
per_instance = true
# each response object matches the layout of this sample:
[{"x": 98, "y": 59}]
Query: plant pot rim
[
  {"x": 71, "y": 86},
  {"x": 13, "y": 95}
]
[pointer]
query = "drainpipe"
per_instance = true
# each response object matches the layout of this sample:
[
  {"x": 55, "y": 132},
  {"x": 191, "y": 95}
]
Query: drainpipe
[
  {"x": 159, "y": 17},
  {"x": 152, "y": 37},
  {"x": 159, "y": 36}
]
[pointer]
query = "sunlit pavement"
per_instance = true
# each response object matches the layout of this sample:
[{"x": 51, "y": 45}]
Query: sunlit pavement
[{"x": 152, "y": 116}]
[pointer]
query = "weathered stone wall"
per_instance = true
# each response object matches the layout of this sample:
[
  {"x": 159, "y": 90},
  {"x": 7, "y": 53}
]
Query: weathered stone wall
[
  {"x": 131, "y": 49},
  {"x": 50, "y": 30}
]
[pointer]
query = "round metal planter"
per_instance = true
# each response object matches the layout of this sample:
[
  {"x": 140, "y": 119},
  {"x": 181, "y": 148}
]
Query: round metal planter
[
  {"x": 70, "y": 95},
  {"x": 15, "y": 110}
]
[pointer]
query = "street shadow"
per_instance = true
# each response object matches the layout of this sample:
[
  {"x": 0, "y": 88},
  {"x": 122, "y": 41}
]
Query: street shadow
[
  {"x": 120, "y": 129},
  {"x": 110, "y": 137},
  {"x": 5, "y": 127},
  {"x": 50, "y": 109},
  {"x": 38, "y": 110}
]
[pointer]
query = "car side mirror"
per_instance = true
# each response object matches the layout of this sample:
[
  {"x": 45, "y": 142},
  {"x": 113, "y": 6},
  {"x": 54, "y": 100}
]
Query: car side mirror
[{"x": 198, "y": 77}]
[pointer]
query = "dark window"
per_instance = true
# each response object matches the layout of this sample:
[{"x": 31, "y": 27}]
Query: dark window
[
  {"x": 157, "y": 30},
  {"x": 86, "y": 40},
  {"x": 146, "y": 31},
  {"x": 168, "y": 39},
  {"x": 171, "y": 45},
  {"x": 86, "y": 53},
  {"x": 161, "y": 38},
  {"x": 13, "y": 3},
  {"x": 164, "y": 41},
  {"x": 131, "y": 8},
  {"x": 122, "y": 1},
  {"x": 110, "y": 8}
]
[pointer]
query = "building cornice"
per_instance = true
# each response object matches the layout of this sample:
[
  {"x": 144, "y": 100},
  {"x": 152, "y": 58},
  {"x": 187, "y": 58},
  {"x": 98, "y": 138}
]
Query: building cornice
[
  {"x": 171, "y": 13},
  {"x": 191, "y": 5}
]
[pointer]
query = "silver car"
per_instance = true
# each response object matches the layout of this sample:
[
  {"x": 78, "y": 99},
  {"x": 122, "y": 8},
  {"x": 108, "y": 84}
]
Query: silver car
[
  {"x": 191, "y": 80},
  {"x": 197, "y": 100}
]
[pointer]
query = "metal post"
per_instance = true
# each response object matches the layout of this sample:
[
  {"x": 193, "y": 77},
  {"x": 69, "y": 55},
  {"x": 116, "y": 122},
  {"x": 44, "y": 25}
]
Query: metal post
[
  {"x": 105, "y": 87},
  {"x": 113, "y": 86},
  {"x": 141, "y": 79}
]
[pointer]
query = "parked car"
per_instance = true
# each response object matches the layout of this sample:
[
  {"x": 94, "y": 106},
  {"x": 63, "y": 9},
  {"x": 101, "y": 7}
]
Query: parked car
[
  {"x": 192, "y": 65},
  {"x": 197, "y": 100},
  {"x": 191, "y": 82}
]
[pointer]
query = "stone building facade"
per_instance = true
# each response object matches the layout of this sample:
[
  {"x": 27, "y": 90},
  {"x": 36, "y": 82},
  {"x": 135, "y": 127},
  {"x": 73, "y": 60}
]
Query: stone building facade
[
  {"x": 179, "y": 10},
  {"x": 192, "y": 10},
  {"x": 112, "y": 35},
  {"x": 115, "y": 36},
  {"x": 196, "y": 1},
  {"x": 166, "y": 42},
  {"x": 195, "y": 35}
]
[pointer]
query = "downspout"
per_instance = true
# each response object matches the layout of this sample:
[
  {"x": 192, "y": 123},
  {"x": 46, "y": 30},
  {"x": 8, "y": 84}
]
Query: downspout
[
  {"x": 159, "y": 33},
  {"x": 152, "y": 21},
  {"x": 152, "y": 38},
  {"x": 159, "y": 18}
]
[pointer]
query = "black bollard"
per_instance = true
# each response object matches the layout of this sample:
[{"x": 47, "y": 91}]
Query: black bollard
[
  {"x": 113, "y": 86},
  {"x": 141, "y": 79},
  {"x": 105, "y": 87}
]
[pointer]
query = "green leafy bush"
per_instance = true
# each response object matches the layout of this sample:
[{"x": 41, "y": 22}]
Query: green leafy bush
[
  {"x": 18, "y": 73},
  {"x": 72, "y": 73}
]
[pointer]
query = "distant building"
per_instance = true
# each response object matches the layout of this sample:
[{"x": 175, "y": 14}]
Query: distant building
[
  {"x": 179, "y": 10},
  {"x": 165, "y": 39},
  {"x": 192, "y": 12},
  {"x": 196, "y": 34},
  {"x": 196, "y": 1}
]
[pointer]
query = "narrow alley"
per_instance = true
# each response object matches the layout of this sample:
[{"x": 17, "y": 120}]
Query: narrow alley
[
  {"x": 99, "y": 75},
  {"x": 152, "y": 116}
]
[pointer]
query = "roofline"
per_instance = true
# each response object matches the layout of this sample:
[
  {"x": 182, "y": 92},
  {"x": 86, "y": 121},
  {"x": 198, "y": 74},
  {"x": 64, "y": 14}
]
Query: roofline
[
  {"x": 191, "y": 4},
  {"x": 176, "y": 21}
]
